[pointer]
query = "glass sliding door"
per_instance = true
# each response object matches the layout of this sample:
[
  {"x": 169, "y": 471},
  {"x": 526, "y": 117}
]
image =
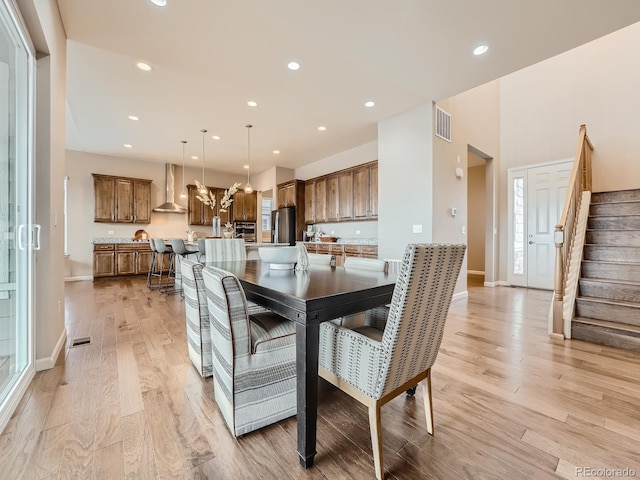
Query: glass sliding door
[{"x": 18, "y": 237}]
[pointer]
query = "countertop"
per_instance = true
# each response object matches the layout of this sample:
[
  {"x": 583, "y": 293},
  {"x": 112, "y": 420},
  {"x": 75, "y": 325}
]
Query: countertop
[{"x": 349, "y": 241}]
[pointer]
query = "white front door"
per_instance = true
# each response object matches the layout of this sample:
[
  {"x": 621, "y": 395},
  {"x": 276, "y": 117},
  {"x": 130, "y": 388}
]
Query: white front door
[
  {"x": 537, "y": 197},
  {"x": 546, "y": 191}
]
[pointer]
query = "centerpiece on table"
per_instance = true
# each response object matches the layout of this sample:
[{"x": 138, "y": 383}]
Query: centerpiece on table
[{"x": 207, "y": 197}]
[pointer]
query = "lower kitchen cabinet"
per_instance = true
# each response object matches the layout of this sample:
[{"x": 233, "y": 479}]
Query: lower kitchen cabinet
[
  {"x": 110, "y": 260},
  {"x": 341, "y": 251},
  {"x": 104, "y": 264}
]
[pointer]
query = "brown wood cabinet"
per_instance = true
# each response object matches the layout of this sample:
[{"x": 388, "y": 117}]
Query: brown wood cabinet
[
  {"x": 245, "y": 206},
  {"x": 310, "y": 201},
  {"x": 292, "y": 194},
  {"x": 332, "y": 198},
  {"x": 341, "y": 251},
  {"x": 346, "y": 195},
  {"x": 104, "y": 260},
  {"x": 111, "y": 260},
  {"x": 201, "y": 214},
  {"x": 121, "y": 199}
]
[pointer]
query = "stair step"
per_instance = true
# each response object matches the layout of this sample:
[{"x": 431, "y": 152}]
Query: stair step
[
  {"x": 614, "y": 222},
  {"x": 616, "y": 196},
  {"x": 602, "y": 332},
  {"x": 615, "y": 208},
  {"x": 613, "y": 237},
  {"x": 612, "y": 253},
  {"x": 609, "y": 289},
  {"x": 601, "y": 309},
  {"x": 629, "y": 272}
]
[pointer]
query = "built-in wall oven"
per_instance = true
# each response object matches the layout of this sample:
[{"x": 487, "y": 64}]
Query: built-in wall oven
[{"x": 246, "y": 230}]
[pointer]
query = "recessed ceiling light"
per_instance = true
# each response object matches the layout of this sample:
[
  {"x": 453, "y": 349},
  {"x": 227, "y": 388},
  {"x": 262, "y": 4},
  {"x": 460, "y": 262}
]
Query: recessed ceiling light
[
  {"x": 252, "y": 103},
  {"x": 194, "y": 157},
  {"x": 215, "y": 137},
  {"x": 160, "y": 3},
  {"x": 322, "y": 128},
  {"x": 276, "y": 152},
  {"x": 126, "y": 145},
  {"x": 293, "y": 66},
  {"x": 480, "y": 50},
  {"x": 246, "y": 167},
  {"x": 133, "y": 117},
  {"x": 144, "y": 66},
  {"x": 370, "y": 104}
]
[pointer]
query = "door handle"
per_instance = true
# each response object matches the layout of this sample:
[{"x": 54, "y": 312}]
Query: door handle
[
  {"x": 531, "y": 242},
  {"x": 20, "y": 230},
  {"x": 36, "y": 231}
]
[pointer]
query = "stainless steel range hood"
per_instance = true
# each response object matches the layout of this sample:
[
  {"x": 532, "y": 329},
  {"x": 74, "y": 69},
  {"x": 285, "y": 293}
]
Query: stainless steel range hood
[{"x": 169, "y": 206}]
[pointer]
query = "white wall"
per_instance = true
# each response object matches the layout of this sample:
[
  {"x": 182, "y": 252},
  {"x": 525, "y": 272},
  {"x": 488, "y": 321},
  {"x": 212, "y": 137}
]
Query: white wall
[
  {"x": 405, "y": 180},
  {"x": 367, "y": 152},
  {"x": 45, "y": 26},
  {"x": 475, "y": 123},
  {"x": 543, "y": 106},
  {"x": 82, "y": 228}
]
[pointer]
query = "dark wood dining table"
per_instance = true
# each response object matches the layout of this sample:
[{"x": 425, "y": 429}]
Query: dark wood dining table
[{"x": 309, "y": 298}]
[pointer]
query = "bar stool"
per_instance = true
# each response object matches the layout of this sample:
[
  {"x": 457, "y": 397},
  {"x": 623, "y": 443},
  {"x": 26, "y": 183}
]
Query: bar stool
[
  {"x": 154, "y": 271},
  {"x": 201, "y": 249},
  {"x": 180, "y": 252},
  {"x": 162, "y": 252}
]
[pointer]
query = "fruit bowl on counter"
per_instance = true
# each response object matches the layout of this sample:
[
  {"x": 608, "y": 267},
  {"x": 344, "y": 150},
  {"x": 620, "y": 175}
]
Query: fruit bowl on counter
[{"x": 328, "y": 239}]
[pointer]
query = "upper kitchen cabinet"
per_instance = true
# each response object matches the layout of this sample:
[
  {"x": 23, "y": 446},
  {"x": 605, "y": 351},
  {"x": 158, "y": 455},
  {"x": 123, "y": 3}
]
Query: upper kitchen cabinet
[
  {"x": 201, "y": 214},
  {"x": 291, "y": 194},
  {"x": 365, "y": 191},
  {"x": 333, "y": 198},
  {"x": 346, "y": 195},
  {"x": 122, "y": 199},
  {"x": 245, "y": 206},
  {"x": 315, "y": 200}
]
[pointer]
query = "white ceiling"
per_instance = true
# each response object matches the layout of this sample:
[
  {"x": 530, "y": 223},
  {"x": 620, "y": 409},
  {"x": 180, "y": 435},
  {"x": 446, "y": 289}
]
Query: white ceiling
[{"x": 210, "y": 57}]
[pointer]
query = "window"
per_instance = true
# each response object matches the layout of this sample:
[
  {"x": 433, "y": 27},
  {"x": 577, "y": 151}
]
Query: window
[{"x": 266, "y": 214}]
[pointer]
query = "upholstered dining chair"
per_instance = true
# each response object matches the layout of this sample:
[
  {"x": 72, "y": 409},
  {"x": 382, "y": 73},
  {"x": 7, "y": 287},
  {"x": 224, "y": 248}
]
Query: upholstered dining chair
[
  {"x": 364, "y": 265},
  {"x": 254, "y": 357},
  {"x": 225, "y": 249},
  {"x": 201, "y": 250},
  {"x": 197, "y": 317},
  {"x": 229, "y": 250},
  {"x": 374, "y": 366},
  {"x": 321, "y": 259}
]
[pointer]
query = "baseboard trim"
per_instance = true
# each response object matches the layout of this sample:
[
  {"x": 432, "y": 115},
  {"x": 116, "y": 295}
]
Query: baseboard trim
[
  {"x": 460, "y": 296},
  {"x": 475, "y": 272},
  {"x": 77, "y": 279},
  {"x": 499, "y": 283},
  {"x": 49, "y": 362}
]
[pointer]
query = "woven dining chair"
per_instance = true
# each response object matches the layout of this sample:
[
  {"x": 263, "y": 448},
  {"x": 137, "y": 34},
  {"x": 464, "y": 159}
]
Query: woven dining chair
[
  {"x": 254, "y": 357},
  {"x": 374, "y": 366}
]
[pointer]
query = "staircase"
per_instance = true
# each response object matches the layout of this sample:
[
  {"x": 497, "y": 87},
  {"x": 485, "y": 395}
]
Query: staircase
[{"x": 608, "y": 302}]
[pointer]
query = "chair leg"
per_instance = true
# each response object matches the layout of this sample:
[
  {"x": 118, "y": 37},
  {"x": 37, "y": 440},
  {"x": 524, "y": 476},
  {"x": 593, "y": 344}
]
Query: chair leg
[
  {"x": 375, "y": 426},
  {"x": 428, "y": 402}
]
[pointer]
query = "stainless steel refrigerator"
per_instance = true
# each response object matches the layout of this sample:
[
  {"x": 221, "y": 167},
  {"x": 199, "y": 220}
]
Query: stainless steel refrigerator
[{"x": 283, "y": 225}]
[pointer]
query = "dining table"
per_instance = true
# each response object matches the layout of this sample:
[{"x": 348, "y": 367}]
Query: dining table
[{"x": 308, "y": 298}]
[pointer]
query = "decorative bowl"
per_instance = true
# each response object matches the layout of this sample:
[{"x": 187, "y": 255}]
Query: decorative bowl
[
  {"x": 279, "y": 258},
  {"x": 328, "y": 239}
]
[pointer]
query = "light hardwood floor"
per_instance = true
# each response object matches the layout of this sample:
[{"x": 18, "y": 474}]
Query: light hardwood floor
[{"x": 509, "y": 403}]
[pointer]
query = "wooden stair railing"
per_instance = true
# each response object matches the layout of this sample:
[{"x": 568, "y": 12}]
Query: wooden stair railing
[{"x": 580, "y": 181}]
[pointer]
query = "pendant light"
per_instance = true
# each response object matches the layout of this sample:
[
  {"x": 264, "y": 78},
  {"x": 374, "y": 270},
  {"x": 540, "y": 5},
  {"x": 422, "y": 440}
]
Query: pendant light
[
  {"x": 183, "y": 195},
  {"x": 247, "y": 187},
  {"x": 203, "y": 189}
]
